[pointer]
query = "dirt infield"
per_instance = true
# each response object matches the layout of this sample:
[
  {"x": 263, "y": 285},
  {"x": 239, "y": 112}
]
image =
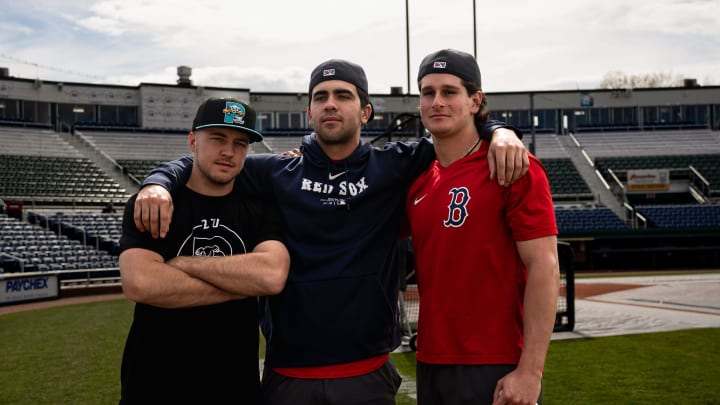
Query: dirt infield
[{"x": 588, "y": 290}]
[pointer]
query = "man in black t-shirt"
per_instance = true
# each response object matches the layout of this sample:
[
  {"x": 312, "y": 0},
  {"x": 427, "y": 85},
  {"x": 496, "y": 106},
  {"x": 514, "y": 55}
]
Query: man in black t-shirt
[{"x": 194, "y": 337}]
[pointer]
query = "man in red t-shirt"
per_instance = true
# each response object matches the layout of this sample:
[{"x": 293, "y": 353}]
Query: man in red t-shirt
[{"x": 486, "y": 255}]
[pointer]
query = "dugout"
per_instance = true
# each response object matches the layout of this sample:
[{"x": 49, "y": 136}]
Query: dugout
[{"x": 646, "y": 249}]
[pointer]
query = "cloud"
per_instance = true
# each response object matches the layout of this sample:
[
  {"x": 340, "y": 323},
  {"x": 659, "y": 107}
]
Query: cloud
[{"x": 273, "y": 45}]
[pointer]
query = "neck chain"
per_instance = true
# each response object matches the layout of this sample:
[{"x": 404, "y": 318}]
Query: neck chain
[{"x": 473, "y": 147}]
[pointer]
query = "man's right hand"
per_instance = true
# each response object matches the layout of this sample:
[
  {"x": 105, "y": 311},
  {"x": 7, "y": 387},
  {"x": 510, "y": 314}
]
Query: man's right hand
[{"x": 153, "y": 210}]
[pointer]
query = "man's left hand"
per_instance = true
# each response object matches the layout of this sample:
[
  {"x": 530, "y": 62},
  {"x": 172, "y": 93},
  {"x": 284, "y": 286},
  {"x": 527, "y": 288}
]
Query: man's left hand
[{"x": 507, "y": 157}]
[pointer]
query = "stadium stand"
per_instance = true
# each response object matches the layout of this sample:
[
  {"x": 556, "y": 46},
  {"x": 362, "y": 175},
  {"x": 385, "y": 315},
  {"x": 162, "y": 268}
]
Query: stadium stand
[
  {"x": 140, "y": 146},
  {"x": 547, "y": 146},
  {"x": 587, "y": 219},
  {"x": 28, "y": 247},
  {"x": 685, "y": 216},
  {"x": 56, "y": 180},
  {"x": 34, "y": 142},
  {"x": 651, "y": 143},
  {"x": 55, "y": 163},
  {"x": 707, "y": 165},
  {"x": 565, "y": 180}
]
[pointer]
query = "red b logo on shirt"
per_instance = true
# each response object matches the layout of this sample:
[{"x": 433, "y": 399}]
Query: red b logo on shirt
[{"x": 457, "y": 209}]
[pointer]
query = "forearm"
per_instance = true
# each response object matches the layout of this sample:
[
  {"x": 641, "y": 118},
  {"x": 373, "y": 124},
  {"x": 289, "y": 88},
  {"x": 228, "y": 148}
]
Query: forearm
[
  {"x": 540, "y": 303},
  {"x": 252, "y": 274},
  {"x": 163, "y": 286},
  {"x": 191, "y": 294}
]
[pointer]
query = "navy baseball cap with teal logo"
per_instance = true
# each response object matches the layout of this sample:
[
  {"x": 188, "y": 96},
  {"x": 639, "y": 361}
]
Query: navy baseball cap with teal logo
[{"x": 227, "y": 113}]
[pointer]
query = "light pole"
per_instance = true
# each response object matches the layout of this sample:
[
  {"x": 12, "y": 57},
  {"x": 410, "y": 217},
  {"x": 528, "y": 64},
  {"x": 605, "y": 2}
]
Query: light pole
[
  {"x": 474, "y": 32},
  {"x": 407, "y": 44}
]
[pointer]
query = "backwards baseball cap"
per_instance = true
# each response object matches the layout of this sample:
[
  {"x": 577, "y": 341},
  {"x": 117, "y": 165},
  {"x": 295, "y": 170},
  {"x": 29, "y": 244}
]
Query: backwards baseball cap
[
  {"x": 458, "y": 63},
  {"x": 338, "y": 69},
  {"x": 227, "y": 113}
]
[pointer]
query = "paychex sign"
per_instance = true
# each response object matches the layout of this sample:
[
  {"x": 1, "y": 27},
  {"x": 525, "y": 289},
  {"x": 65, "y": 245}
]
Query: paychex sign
[{"x": 28, "y": 288}]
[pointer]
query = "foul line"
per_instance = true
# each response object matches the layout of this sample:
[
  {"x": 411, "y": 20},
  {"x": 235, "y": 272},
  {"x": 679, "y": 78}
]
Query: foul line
[{"x": 657, "y": 306}]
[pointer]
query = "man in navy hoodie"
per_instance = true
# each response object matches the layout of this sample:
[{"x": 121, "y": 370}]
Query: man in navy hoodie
[{"x": 329, "y": 333}]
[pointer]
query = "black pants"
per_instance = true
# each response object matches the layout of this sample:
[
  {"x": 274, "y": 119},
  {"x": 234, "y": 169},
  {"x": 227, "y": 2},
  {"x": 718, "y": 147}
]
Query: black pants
[
  {"x": 459, "y": 384},
  {"x": 376, "y": 388}
]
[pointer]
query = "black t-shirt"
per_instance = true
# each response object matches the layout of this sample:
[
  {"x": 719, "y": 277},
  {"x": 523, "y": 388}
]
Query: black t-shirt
[{"x": 206, "y": 354}]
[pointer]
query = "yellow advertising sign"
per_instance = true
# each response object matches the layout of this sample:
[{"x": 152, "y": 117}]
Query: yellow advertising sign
[{"x": 648, "y": 180}]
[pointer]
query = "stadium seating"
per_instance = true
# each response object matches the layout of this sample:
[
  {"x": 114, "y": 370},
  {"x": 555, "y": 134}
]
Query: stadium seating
[
  {"x": 688, "y": 216},
  {"x": 35, "y": 142},
  {"x": 708, "y": 165},
  {"x": 141, "y": 145},
  {"x": 547, "y": 146},
  {"x": 38, "y": 167},
  {"x": 26, "y": 247},
  {"x": 138, "y": 168},
  {"x": 565, "y": 181},
  {"x": 650, "y": 143},
  {"x": 102, "y": 231},
  {"x": 588, "y": 219},
  {"x": 56, "y": 179}
]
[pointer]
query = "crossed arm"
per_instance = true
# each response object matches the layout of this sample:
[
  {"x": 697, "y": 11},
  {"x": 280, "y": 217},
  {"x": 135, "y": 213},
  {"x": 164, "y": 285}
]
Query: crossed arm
[{"x": 188, "y": 281}]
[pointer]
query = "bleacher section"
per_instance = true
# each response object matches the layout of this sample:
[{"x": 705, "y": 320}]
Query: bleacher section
[
  {"x": 613, "y": 144},
  {"x": 57, "y": 180},
  {"x": 139, "y": 169},
  {"x": 708, "y": 165},
  {"x": 566, "y": 184},
  {"x": 35, "y": 142},
  {"x": 140, "y": 146},
  {"x": 547, "y": 146},
  {"x": 684, "y": 216},
  {"x": 39, "y": 167},
  {"x": 139, "y": 152},
  {"x": 26, "y": 247},
  {"x": 673, "y": 150},
  {"x": 94, "y": 229},
  {"x": 572, "y": 219}
]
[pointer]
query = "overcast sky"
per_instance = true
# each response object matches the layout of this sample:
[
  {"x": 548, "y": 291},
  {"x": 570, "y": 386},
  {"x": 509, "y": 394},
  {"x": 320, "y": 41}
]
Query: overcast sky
[{"x": 272, "y": 45}]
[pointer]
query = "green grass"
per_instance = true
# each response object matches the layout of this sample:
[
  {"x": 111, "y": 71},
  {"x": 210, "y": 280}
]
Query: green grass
[
  {"x": 71, "y": 355},
  {"x": 678, "y": 367},
  {"x": 63, "y": 355}
]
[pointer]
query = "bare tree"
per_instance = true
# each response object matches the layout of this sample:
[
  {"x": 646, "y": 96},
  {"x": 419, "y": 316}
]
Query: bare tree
[{"x": 619, "y": 80}]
